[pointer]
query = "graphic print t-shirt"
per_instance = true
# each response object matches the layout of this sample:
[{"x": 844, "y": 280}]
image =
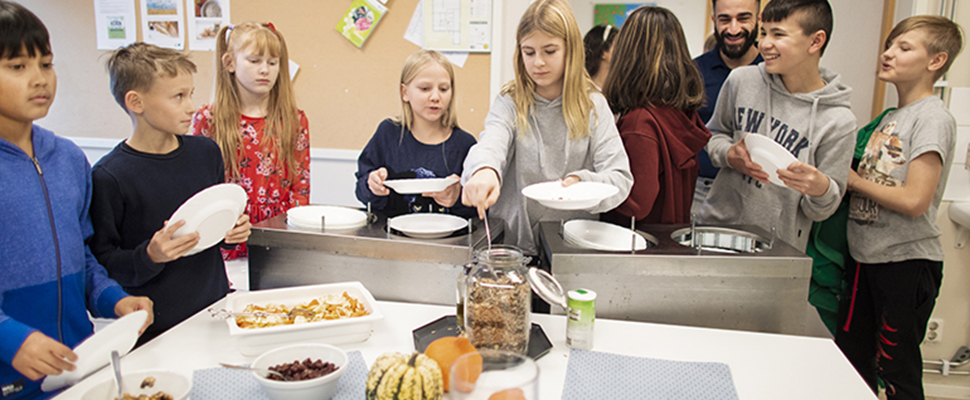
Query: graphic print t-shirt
[{"x": 877, "y": 234}]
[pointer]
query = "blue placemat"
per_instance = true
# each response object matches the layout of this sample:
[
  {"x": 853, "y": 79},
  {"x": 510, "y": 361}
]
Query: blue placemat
[
  {"x": 595, "y": 375},
  {"x": 233, "y": 384}
]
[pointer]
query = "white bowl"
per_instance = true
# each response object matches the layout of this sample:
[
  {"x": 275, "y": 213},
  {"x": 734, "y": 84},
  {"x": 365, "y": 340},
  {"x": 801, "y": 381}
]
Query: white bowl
[
  {"x": 578, "y": 196},
  {"x": 605, "y": 236},
  {"x": 768, "y": 154},
  {"x": 252, "y": 342},
  {"x": 175, "y": 384},
  {"x": 416, "y": 186},
  {"x": 321, "y": 388}
]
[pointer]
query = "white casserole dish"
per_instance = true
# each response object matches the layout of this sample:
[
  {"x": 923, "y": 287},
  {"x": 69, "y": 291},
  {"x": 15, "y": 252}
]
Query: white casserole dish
[{"x": 253, "y": 342}]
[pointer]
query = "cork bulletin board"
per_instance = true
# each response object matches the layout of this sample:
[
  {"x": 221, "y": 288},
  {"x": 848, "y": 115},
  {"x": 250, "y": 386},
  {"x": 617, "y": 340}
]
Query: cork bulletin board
[{"x": 345, "y": 91}]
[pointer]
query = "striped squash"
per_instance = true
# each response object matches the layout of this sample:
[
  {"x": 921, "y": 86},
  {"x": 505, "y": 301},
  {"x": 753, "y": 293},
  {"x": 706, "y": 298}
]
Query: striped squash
[{"x": 396, "y": 376}]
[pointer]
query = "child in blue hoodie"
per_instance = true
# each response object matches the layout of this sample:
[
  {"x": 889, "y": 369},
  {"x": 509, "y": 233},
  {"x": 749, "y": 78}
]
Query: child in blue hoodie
[{"x": 50, "y": 278}]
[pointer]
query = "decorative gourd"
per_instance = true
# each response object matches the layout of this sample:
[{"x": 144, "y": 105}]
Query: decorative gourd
[
  {"x": 396, "y": 376},
  {"x": 445, "y": 350}
]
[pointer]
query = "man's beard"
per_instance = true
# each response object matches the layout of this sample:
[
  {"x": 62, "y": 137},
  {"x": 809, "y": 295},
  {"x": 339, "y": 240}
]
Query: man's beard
[{"x": 735, "y": 52}]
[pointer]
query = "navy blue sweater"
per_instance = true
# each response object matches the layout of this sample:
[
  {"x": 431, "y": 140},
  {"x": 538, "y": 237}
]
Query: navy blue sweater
[
  {"x": 405, "y": 157},
  {"x": 134, "y": 193},
  {"x": 44, "y": 224}
]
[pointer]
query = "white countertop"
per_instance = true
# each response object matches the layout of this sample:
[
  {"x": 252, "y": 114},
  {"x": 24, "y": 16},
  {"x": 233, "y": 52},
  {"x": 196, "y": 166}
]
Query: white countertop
[{"x": 764, "y": 366}]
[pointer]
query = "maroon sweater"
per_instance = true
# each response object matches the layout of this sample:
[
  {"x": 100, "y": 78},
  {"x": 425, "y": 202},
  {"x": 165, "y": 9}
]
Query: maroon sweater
[{"x": 662, "y": 143}]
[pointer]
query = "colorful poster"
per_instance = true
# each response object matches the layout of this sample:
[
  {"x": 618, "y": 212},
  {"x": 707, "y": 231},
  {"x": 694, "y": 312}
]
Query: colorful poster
[
  {"x": 205, "y": 21},
  {"x": 162, "y": 23},
  {"x": 115, "y": 23},
  {"x": 360, "y": 20},
  {"x": 614, "y": 14}
]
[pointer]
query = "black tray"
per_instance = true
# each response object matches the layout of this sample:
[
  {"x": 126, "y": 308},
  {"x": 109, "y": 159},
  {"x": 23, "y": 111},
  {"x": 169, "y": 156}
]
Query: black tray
[{"x": 539, "y": 344}]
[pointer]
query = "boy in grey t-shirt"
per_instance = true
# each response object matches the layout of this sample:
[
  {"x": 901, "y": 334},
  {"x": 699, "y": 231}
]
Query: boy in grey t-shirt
[{"x": 891, "y": 231}]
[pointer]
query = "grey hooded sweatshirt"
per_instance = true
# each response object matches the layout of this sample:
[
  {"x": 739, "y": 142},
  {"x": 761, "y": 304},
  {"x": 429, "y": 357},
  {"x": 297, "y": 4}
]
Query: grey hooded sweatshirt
[
  {"x": 818, "y": 128},
  {"x": 545, "y": 153}
]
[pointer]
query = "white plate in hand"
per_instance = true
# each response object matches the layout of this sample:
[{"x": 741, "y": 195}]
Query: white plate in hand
[
  {"x": 427, "y": 225},
  {"x": 334, "y": 217},
  {"x": 769, "y": 155},
  {"x": 578, "y": 196},
  {"x": 211, "y": 212},
  {"x": 95, "y": 351},
  {"x": 598, "y": 235},
  {"x": 417, "y": 186}
]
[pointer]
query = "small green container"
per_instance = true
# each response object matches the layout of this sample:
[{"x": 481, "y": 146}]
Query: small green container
[{"x": 580, "y": 318}]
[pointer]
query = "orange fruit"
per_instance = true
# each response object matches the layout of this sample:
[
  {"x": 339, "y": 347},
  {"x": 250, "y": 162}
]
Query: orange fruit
[
  {"x": 446, "y": 350},
  {"x": 508, "y": 394}
]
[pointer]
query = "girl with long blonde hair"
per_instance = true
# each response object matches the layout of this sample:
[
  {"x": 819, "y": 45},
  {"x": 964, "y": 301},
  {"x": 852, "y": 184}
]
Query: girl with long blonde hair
[
  {"x": 547, "y": 124},
  {"x": 264, "y": 138},
  {"x": 424, "y": 142}
]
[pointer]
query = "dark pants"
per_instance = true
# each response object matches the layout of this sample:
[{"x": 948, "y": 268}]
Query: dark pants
[{"x": 882, "y": 320}]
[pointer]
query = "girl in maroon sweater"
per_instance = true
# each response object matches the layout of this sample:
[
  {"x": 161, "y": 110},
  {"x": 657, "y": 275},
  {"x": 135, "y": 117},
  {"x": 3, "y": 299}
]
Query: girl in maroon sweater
[{"x": 655, "y": 89}]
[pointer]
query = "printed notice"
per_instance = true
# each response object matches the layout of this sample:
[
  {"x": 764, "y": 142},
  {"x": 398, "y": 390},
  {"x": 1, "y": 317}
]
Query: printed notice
[
  {"x": 162, "y": 23},
  {"x": 205, "y": 21},
  {"x": 115, "y": 23},
  {"x": 458, "y": 25}
]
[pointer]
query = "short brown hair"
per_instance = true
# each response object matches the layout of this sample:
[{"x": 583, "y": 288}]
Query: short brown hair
[
  {"x": 941, "y": 36},
  {"x": 651, "y": 65},
  {"x": 813, "y": 16},
  {"x": 134, "y": 67}
]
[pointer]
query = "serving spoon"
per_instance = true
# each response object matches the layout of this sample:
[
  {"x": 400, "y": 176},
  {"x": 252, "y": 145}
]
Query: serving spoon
[
  {"x": 116, "y": 366},
  {"x": 260, "y": 370}
]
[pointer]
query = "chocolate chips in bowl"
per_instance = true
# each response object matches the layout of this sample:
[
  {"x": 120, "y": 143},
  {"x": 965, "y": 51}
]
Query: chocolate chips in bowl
[{"x": 301, "y": 371}]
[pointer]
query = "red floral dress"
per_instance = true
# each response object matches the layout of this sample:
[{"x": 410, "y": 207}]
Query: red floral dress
[{"x": 261, "y": 171}]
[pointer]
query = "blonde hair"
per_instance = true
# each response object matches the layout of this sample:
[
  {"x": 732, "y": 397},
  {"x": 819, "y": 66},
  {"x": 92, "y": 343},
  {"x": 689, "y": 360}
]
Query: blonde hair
[
  {"x": 416, "y": 63},
  {"x": 282, "y": 117},
  {"x": 941, "y": 36},
  {"x": 554, "y": 18},
  {"x": 135, "y": 67}
]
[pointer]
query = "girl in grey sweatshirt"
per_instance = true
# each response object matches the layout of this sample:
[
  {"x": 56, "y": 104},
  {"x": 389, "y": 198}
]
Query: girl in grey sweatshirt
[{"x": 565, "y": 132}]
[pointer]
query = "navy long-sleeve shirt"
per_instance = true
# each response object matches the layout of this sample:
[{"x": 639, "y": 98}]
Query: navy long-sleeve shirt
[
  {"x": 134, "y": 193},
  {"x": 406, "y": 158}
]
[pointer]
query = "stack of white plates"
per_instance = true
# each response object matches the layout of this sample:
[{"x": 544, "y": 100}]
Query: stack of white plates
[
  {"x": 308, "y": 217},
  {"x": 603, "y": 236},
  {"x": 427, "y": 225}
]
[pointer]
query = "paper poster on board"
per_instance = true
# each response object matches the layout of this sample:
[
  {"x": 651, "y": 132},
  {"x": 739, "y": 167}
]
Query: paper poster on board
[
  {"x": 162, "y": 23},
  {"x": 115, "y": 23},
  {"x": 614, "y": 14},
  {"x": 458, "y": 25},
  {"x": 359, "y": 21},
  {"x": 206, "y": 18}
]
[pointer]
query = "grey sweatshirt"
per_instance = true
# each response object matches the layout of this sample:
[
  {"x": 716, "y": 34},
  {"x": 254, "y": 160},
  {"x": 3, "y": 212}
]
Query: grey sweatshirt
[
  {"x": 818, "y": 128},
  {"x": 546, "y": 153}
]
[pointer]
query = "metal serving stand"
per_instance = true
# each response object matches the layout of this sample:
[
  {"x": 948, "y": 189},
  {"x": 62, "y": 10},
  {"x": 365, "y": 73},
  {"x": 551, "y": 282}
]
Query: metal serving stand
[
  {"x": 390, "y": 265},
  {"x": 718, "y": 277}
]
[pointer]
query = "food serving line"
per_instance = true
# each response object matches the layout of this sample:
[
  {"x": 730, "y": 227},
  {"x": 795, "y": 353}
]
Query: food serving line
[{"x": 763, "y": 366}]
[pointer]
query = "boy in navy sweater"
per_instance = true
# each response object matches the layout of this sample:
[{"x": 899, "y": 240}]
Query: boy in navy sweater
[
  {"x": 50, "y": 279},
  {"x": 143, "y": 180}
]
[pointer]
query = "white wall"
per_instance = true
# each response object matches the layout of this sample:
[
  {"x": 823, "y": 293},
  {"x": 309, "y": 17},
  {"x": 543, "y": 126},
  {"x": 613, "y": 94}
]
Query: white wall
[{"x": 691, "y": 13}]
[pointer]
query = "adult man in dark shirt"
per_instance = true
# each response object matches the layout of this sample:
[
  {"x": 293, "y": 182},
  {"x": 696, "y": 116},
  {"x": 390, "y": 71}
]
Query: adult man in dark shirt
[{"x": 736, "y": 32}]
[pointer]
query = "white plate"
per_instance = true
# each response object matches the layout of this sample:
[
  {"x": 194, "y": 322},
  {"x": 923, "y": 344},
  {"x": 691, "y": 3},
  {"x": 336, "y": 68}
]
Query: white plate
[
  {"x": 253, "y": 342},
  {"x": 95, "y": 351},
  {"x": 416, "y": 186},
  {"x": 578, "y": 196},
  {"x": 427, "y": 225},
  {"x": 769, "y": 155},
  {"x": 598, "y": 235},
  {"x": 308, "y": 217},
  {"x": 211, "y": 212},
  {"x": 173, "y": 383}
]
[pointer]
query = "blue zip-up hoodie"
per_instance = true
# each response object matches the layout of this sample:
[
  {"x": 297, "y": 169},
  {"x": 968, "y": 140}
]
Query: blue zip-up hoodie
[{"x": 49, "y": 276}]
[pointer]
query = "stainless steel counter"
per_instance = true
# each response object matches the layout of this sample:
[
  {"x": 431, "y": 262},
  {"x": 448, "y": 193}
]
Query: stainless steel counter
[
  {"x": 392, "y": 266},
  {"x": 765, "y": 291}
]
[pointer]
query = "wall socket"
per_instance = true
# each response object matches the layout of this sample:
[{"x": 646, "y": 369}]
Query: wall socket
[{"x": 934, "y": 330}]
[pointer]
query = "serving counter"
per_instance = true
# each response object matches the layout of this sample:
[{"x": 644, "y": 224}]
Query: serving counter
[
  {"x": 392, "y": 266},
  {"x": 763, "y": 366}
]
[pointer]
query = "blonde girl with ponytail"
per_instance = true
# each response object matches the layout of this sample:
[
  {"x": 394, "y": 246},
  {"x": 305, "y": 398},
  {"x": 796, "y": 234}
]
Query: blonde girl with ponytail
[
  {"x": 263, "y": 136},
  {"x": 548, "y": 124}
]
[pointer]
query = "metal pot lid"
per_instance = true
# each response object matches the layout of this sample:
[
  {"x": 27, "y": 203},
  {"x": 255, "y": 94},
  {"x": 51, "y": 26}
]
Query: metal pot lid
[{"x": 546, "y": 286}]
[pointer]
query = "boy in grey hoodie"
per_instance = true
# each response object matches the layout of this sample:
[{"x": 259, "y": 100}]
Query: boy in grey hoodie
[{"x": 802, "y": 107}]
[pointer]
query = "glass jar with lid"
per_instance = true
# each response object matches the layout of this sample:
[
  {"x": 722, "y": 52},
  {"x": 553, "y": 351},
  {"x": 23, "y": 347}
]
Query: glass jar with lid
[{"x": 498, "y": 300}]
